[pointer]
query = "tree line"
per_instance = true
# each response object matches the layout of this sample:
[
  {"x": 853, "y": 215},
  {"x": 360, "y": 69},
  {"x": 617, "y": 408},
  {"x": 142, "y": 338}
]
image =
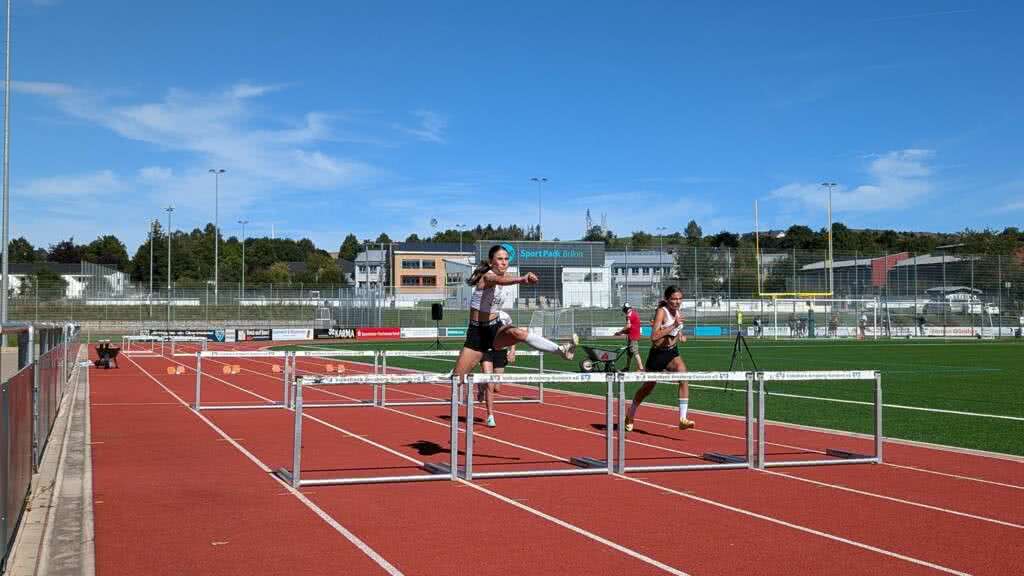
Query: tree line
[{"x": 273, "y": 260}]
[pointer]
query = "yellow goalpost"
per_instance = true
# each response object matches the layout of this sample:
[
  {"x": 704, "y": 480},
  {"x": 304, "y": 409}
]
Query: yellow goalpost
[{"x": 828, "y": 260}]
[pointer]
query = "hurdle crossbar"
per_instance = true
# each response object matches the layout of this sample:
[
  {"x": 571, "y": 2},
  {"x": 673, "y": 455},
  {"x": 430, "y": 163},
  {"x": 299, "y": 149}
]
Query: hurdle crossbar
[
  {"x": 214, "y": 354},
  {"x": 589, "y": 465},
  {"x": 385, "y": 354},
  {"x": 731, "y": 462},
  {"x": 293, "y": 476},
  {"x": 841, "y": 456},
  {"x": 374, "y": 354}
]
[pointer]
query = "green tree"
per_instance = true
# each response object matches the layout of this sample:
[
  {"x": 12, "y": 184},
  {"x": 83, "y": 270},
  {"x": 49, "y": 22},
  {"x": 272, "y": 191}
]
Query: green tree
[
  {"x": 66, "y": 252},
  {"x": 693, "y": 232},
  {"x": 349, "y": 248},
  {"x": 108, "y": 251},
  {"x": 21, "y": 250},
  {"x": 383, "y": 239}
]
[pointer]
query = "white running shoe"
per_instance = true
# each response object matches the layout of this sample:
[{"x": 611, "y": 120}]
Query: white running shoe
[
  {"x": 569, "y": 348},
  {"x": 490, "y": 421}
]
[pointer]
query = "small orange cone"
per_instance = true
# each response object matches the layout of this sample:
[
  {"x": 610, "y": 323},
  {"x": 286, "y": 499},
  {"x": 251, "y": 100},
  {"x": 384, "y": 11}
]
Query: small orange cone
[
  {"x": 341, "y": 368},
  {"x": 226, "y": 369},
  {"x": 236, "y": 369},
  {"x": 275, "y": 369},
  {"x": 179, "y": 370},
  {"x": 170, "y": 369},
  {"x": 330, "y": 367}
]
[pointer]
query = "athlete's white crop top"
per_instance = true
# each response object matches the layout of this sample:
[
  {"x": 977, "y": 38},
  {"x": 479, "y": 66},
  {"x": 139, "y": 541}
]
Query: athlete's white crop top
[
  {"x": 490, "y": 300},
  {"x": 670, "y": 320}
]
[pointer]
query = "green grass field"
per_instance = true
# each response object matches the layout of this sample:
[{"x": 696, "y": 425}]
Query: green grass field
[{"x": 984, "y": 378}]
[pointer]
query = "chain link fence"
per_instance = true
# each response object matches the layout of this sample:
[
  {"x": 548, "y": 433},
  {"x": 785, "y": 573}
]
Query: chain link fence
[{"x": 725, "y": 289}]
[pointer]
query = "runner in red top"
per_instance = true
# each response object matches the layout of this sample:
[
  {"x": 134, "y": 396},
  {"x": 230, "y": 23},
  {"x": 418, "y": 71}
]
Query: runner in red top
[{"x": 632, "y": 332}]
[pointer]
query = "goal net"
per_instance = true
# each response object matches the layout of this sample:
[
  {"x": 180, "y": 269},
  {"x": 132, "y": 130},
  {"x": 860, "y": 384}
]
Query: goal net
[{"x": 558, "y": 324}]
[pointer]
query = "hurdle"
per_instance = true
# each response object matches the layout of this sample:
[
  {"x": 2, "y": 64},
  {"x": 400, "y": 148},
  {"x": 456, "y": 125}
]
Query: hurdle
[
  {"x": 176, "y": 340},
  {"x": 372, "y": 354},
  {"x": 720, "y": 461},
  {"x": 385, "y": 354},
  {"x": 128, "y": 349},
  {"x": 842, "y": 456},
  {"x": 293, "y": 476},
  {"x": 584, "y": 464},
  {"x": 197, "y": 404}
]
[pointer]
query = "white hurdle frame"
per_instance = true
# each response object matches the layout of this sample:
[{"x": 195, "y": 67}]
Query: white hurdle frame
[
  {"x": 592, "y": 466},
  {"x": 676, "y": 377},
  {"x": 197, "y": 403},
  {"x": 384, "y": 354},
  {"x": 293, "y": 476},
  {"x": 843, "y": 457},
  {"x": 335, "y": 354},
  {"x": 126, "y": 345}
]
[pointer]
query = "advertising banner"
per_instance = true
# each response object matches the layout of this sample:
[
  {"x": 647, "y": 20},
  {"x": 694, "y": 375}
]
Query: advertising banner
[
  {"x": 455, "y": 332},
  {"x": 252, "y": 334},
  {"x": 334, "y": 333},
  {"x": 419, "y": 332},
  {"x": 378, "y": 333},
  {"x": 211, "y": 335},
  {"x": 292, "y": 334}
]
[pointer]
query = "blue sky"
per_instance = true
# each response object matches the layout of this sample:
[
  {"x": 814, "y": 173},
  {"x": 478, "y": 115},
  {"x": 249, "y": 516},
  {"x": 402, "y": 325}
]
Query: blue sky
[{"x": 339, "y": 117}]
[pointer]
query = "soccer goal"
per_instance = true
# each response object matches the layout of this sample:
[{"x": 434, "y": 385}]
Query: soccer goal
[
  {"x": 557, "y": 324},
  {"x": 811, "y": 317}
]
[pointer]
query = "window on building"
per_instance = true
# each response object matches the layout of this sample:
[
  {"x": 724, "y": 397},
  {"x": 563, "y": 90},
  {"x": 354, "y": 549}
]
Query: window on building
[
  {"x": 635, "y": 270},
  {"x": 647, "y": 270},
  {"x": 429, "y": 280},
  {"x": 454, "y": 278},
  {"x": 427, "y": 264},
  {"x": 410, "y": 280},
  {"x": 410, "y": 264}
]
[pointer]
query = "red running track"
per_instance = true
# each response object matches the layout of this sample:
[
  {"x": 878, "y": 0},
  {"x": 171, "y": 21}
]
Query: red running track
[{"x": 169, "y": 483}]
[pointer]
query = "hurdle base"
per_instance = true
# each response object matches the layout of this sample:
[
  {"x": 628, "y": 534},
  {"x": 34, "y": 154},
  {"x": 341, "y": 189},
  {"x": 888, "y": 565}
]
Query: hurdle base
[
  {"x": 442, "y": 468},
  {"x": 845, "y": 454},
  {"x": 724, "y": 458},
  {"x": 588, "y": 462},
  {"x": 284, "y": 474}
]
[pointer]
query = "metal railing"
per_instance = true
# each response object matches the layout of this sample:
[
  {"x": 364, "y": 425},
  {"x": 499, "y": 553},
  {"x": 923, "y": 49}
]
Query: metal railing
[{"x": 29, "y": 402}]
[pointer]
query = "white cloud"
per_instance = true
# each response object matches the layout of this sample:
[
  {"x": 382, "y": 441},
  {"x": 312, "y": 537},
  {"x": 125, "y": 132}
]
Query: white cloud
[
  {"x": 899, "y": 179},
  {"x": 1014, "y": 206},
  {"x": 250, "y": 91},
  {"x": 42, "y": 88},
  {"x": 155, "y": 174},
  {"x": 79, "y": 187},
  {"x": 431, "y": 126}
]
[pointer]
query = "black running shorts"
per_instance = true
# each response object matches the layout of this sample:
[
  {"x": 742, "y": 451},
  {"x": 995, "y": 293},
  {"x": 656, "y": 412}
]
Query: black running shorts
[{"x": 658, "y": 359}]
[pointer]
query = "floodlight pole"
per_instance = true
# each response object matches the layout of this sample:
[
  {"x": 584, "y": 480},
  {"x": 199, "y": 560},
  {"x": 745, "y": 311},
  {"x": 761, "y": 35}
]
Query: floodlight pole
[
  {"x": 152, "y": 238},
  {"x": 7, "y": 166},
  {"x": 216, "y": 232},
  {"x": 170, "y": 235},
  {"x": 831, "y": 271},
  {"x": 539, "y": 180},
  {"x": 243, "y": 223}
]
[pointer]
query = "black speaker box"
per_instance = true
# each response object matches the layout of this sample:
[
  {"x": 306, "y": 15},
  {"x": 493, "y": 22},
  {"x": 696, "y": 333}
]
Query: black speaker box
[{"x": 437, "y": 311}]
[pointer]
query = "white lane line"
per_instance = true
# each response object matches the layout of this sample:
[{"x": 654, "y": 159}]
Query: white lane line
[{"x": 345, "y": 532}]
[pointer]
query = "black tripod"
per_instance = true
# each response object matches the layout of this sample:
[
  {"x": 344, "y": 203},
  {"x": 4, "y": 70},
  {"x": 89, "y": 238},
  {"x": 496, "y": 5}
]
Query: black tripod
[
  {"x": 437, "y": 345},
  {"x": 739, "y": 343}
]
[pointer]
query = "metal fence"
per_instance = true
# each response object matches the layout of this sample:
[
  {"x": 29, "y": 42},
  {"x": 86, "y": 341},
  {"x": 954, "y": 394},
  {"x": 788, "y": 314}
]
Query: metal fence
[
  {"x": 911, "y": 292},
  {"x": 29, "y": 402}
]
